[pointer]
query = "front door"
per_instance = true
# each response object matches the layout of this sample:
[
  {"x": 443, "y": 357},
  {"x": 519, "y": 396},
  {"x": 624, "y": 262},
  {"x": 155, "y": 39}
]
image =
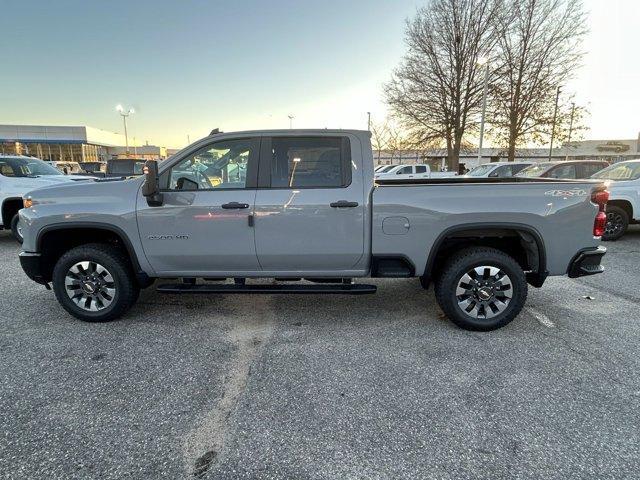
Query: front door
[
  {"x": 203, "y": 226},
  {"x": 310, "y": 207}
]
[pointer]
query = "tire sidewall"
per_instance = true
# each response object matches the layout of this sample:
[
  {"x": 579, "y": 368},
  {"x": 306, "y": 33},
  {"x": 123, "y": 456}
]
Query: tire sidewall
[
  {"x": 451, "y": 277},
  {"x": 120, "y": 277},
  {"x": 14, "y": 228}
]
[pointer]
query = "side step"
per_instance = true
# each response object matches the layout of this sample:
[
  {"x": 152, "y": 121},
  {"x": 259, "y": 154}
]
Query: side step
[{"x": 344, "y": 289}]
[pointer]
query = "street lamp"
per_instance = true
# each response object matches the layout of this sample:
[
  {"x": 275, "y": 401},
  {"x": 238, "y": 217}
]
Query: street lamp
[
  {"x": 291, "y": 117},
  {"x": 121, "y": 111},
  {"x": 483, "y": 61}
]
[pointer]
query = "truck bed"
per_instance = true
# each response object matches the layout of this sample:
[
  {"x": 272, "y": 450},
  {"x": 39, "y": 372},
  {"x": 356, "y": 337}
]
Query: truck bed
[{"x": 410, "y": 218}]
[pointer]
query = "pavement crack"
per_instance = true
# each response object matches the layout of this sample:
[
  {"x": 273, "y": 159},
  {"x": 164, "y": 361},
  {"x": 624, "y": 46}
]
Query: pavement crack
[{"x": 203, "y": 445}]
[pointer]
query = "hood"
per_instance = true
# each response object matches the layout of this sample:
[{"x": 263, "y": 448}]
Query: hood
[
  {"x": 19, "y": 186},
  {"x": 72, "y": 189}
]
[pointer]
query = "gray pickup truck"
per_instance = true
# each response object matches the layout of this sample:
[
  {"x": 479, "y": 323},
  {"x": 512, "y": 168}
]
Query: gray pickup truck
[{"x": 301, "y": 207}]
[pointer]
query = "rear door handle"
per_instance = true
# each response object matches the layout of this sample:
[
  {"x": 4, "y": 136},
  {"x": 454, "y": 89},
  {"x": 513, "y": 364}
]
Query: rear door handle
[
  {"x": 234, "y": 205},
  {"x": 343, "y": 204}
]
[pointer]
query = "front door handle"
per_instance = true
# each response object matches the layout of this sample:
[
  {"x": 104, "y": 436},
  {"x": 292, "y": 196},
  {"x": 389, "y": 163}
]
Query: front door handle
[
  {"x": 234, "y": 205},
  {"x": 343, "y": 204}
]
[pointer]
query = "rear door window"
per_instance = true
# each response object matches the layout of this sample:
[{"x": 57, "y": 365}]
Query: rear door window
[
  {"x": 421, "y": 169},
  {"x": 310, "y": 162},
  {"x": 562, "y": 171}
]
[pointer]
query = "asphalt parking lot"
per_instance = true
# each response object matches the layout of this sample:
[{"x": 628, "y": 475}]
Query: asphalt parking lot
[{"x": 304, "y": 387}]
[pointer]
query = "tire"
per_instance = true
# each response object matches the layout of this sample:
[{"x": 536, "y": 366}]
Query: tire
[
  {"x": 97, "y": 296},
  {"x": 488, "y": 306},
  {"x": 15, "y": 230},
  {"x": 617, "y": 223}
]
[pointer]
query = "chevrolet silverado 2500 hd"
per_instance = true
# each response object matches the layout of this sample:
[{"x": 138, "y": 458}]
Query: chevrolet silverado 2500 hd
[{"x": 301, "y": 207}]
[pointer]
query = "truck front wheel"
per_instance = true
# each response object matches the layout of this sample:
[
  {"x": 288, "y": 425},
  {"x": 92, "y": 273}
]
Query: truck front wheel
[
  {"x": 16, "y": 229},
  {"x": 481, "y": 288},
  {"x": 95, "y": 283}
]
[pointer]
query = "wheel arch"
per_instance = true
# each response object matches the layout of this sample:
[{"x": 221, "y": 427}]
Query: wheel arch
[
  {"x": 55, "y": 239},
  {"x": 523, "y": 237},
  {"x": 624, "y": 204},
  {"x": 10, "y": 206}
]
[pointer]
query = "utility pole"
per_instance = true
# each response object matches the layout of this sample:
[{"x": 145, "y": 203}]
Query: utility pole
[
  {"x": 291, "y": 117},
  {"x": 553, "y": 126},
  {"x": 483, "y": 61},
  {"x": 369, "y": 121},
  {"x": 573, "y": 109}
]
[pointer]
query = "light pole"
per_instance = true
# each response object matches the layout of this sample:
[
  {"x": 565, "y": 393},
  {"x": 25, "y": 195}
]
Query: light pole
[
  {"x": 553, "y": 126},
  {"x": 369, "y": 121},
  {"x": 124, "y": 115},
  {"x": 291, "y": 117},
  {"x": 483, "y": 61}
]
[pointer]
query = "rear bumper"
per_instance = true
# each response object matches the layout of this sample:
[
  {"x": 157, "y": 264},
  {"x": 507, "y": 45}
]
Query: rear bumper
[
  {"x": 31, "y": 263},
  {"x": 587, "y": 262}
]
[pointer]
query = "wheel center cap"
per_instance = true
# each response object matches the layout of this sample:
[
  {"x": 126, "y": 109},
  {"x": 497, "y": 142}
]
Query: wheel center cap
[
  {"x": 88, "y": 287},
  {"x": 484, "y": 293}
]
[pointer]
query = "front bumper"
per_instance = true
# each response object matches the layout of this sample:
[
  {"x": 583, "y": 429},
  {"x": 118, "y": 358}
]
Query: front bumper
[
  {"x": 32, "y": 265},
  {"x": 587, "y": 262}
]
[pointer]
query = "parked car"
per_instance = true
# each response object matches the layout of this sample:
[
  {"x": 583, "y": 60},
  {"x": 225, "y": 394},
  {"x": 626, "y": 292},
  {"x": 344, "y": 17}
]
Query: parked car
[
  {"x": 497, "y": 169},
  {"x": 406, "y": 172},
  {"x": 125, "y": 168},
  {"x": 67, "y": 168},
  {"x": 93, "y": 167},
  {"x": 567, "y": 169},
  {"x": 18, "y": 175},
  {"x": 624, "y": 203},
  {"x": 308, "y": 207}
]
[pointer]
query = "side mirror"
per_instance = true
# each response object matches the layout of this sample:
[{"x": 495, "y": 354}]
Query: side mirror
[{"x": 151, "y": 185}]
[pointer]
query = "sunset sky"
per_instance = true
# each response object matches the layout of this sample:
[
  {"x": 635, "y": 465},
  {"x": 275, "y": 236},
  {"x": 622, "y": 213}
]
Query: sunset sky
[{"x": 190, "y": 66}]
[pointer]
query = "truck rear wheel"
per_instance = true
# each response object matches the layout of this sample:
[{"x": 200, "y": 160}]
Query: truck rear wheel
[
  {"x": 95, "y": 283},
  {"x": 481, "y": 288}
]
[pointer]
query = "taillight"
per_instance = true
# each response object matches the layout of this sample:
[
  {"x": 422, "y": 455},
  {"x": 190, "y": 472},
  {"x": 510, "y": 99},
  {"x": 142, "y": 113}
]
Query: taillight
[
  {"x": 600, "y": 198},
  {"x": 599, "y": 224}
]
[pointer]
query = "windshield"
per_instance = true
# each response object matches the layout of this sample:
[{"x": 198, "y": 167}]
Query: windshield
[
  {"x": 620, "y": 172},
  {"x": 385, "y": 169},
  {"x": 534, "y": 170},
  {"x": 25, "y": 167},
  {"x": 480, "y": 170}
]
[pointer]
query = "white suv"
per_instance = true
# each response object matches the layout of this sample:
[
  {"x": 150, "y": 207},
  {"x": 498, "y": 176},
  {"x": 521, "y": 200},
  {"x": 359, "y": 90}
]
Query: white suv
[
  {"x": 623, "y": 207},
  {"x": 19, "y": 175}
]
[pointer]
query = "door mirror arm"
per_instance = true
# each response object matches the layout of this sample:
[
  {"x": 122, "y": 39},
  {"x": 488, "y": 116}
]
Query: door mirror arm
[{"x": 151, "y": 185}]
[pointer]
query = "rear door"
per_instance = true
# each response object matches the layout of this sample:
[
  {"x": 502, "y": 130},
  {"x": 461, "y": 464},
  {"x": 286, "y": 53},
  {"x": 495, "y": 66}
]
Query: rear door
[
  {"x": 422, "y": 171},
  {"x": 309, "y": 209}
]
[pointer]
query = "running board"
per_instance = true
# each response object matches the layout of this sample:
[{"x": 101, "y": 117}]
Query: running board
[{"x": 340, "y": 289}]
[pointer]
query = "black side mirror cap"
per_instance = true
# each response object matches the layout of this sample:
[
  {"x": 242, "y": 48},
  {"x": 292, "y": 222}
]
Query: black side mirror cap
[{"x": 151, "y": 185}]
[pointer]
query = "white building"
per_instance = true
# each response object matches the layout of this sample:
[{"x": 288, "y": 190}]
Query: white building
[{"x": 70, "y": 143}]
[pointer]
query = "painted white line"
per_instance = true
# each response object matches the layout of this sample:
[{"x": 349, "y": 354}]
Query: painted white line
[{"x": 541, "y": 318}]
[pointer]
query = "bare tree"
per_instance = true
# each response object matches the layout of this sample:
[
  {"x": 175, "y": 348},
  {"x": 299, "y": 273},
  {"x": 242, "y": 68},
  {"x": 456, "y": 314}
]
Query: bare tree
[
  {"x": 379, "y": 138},
  {"x": 436, "y": 91},
  {"x": 539, "y": 50}
]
